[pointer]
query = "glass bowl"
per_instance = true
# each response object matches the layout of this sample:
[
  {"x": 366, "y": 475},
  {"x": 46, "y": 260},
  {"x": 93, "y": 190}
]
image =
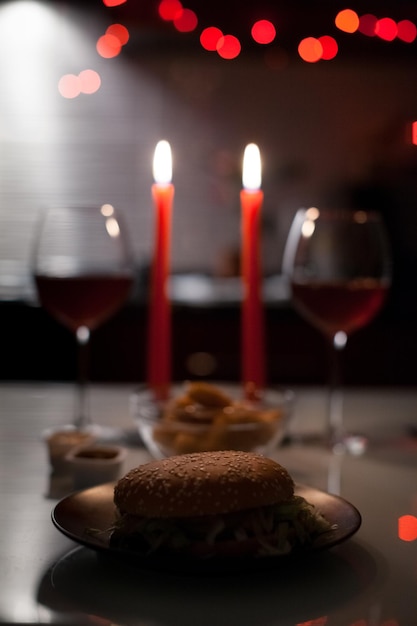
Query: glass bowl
[{"x": 199, "y": 417}]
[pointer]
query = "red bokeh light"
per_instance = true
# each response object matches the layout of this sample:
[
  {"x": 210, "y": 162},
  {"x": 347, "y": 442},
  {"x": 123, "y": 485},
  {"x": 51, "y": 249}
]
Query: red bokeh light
[
  {"x": 186, "y": 21},
  {"x": 69, "y": 86},
  {"x": 263, "y": 32},
  {"x": 228, "y": 47},
  {"x": 90, "y": 81},
  {"x": 108, "y": 46},
  {"x": 119, "y": 31},
  {"x": 386, "y": 28},
  {"x": 407, "y": 31},
  {"x": 414, "y": 133},
  {"x": 209, "y": 38},
  {"x": 330, "y": 47},
  {"x": 113, "y": 3},
  {"x": 367, "y": 24},
  {"x": 310, "y": 49},
  {"x": 347, "y": 20},
  {"x": 87, "y": 82},
  {"x": 169, "y": 10},
  {"x": 407, "y": 528}
]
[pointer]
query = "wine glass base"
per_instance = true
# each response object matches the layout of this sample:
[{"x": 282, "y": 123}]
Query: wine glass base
[{"x": 354, "y": 444}]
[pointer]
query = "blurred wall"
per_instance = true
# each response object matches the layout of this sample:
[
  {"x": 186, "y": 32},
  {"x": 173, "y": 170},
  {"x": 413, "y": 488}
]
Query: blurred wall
[
  {"x": 331, "y": 133},
  {"x": 320, "y": 127}
]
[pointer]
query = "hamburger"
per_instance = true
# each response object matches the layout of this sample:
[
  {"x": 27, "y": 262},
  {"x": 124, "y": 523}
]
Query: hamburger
[{"x": 205, "y": 504}]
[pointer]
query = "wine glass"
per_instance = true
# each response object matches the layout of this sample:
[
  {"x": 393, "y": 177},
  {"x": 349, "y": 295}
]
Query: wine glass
[
  {"x": 338, "y": 265},
  {"x": 83, "y": 272}
]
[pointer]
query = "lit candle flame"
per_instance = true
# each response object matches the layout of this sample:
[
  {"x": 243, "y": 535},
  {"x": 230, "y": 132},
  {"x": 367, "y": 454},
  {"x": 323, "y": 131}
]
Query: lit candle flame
[
  {"x": 162, "y": 163},
  {"x": 252, "y": 177}
]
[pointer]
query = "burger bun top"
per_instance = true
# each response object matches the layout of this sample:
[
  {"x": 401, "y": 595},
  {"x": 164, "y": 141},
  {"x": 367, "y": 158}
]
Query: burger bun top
[{"x": 203, "y": 483}]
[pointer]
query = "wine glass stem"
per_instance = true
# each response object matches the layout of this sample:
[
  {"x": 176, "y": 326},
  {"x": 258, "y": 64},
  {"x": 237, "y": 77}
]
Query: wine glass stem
[
  {"x": 82, "y": 415},
  {"x": 335, "y": 410}
]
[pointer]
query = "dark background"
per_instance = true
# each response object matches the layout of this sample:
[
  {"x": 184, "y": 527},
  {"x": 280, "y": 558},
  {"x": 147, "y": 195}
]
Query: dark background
[{"x": 335, "y": 133}]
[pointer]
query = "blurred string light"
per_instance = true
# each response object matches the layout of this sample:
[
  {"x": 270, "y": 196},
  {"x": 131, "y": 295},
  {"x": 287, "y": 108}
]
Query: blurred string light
[
  {"x": 367, "y": 24},
  {"x": 212, "y": 38},
  {"x": 183, "y": 19},
  {"x": 209, "y": 38},
  {"x": 69, "y": 86},
  {"x": 347, "y": 21},
  {"x": 186, "y": 21},
  {"x": 263, "y": 32},
  {"x": 72, "y": 85},
  {"x": 310, "y": 49},
  {"x": 313, "y": 49},
  {"x": 406, "y": 31},
  {"x": 228, "y": 47},
  {"x": 169, "y": 10},
  {"x": 108, "y": 46},
  {"x": 386, "y": 28},
  {"x": 330, "y": 47},
  {"x": 120, "y": 32},
  {"x": 113, "y": 3}
]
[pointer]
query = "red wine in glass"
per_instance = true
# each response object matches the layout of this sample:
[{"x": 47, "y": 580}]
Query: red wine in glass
[
  {"x": 85, "y": 300},
  {"x": 340, "y": 305},
  {"x": 83, "y": 272},
  {"x": 338, "y": 265}
]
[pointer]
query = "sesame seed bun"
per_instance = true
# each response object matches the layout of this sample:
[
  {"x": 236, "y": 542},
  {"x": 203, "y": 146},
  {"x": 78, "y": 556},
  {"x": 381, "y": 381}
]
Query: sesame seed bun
[{"x": 205, "y": 483}]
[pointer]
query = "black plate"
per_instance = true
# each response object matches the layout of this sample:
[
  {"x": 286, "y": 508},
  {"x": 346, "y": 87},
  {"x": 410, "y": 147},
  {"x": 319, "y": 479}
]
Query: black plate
[{"x": 86, "y": 516}]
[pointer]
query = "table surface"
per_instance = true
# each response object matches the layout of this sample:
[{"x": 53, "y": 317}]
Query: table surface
[{"x": 370, "y": 580}]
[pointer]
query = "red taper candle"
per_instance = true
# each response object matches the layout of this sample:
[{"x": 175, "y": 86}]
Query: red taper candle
[
  {"x": 253, "y": 348},
  {"x": 159, "y": 339}
]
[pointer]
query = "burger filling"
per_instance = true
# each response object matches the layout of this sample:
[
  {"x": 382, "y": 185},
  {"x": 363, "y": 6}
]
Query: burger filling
[{"x": 276, "y": 529}]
